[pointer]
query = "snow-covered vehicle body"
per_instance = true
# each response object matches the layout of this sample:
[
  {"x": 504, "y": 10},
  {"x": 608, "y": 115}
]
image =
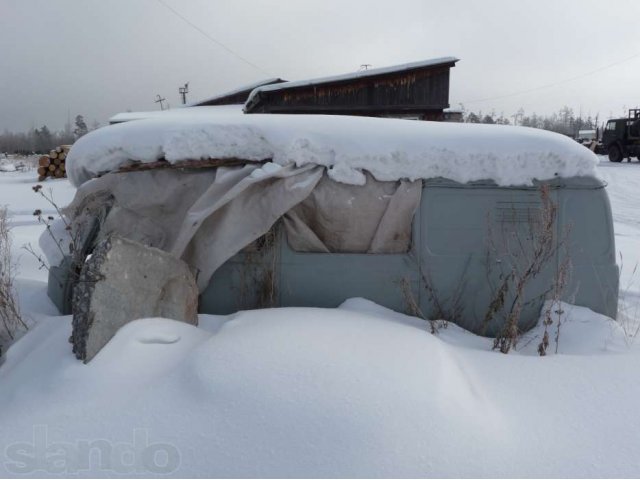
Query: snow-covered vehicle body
[{"x": 435, "y": 219}]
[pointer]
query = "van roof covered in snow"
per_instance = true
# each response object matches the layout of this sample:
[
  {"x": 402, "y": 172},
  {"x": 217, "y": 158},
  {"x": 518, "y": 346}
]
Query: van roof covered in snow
[
  {"x": 182, "y": 110},
  {"x": 390, "y": 149}
]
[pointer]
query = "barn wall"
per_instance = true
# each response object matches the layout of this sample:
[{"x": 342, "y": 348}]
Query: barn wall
[{"x": 421, "y": 92}]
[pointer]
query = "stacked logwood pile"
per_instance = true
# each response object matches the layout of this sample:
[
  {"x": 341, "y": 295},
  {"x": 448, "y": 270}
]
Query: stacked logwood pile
[{"x": 53, "y": 165}]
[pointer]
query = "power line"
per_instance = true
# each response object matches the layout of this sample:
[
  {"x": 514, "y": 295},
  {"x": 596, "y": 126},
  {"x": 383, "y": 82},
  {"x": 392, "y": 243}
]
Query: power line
[
  {"x": 210, "y": 38},
  {"x": 549, "y": 85}
]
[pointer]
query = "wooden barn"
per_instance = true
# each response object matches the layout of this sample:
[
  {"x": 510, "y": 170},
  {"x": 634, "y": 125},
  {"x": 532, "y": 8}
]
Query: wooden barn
[
  {"x": 417, "y": 90},
  {"x": 237, "y": 96}
]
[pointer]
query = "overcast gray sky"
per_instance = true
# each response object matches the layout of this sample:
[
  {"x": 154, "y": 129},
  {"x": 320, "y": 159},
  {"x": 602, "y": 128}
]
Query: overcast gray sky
[{"x": 101, "y": 57}]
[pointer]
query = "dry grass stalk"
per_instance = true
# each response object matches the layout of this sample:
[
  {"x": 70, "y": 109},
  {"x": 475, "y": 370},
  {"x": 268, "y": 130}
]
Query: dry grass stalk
[
  {"x": 527, "y": 256},
  {"x": 412, "y": 307},
  {"x": 559, "y": 286},
  {"x": 10, "y": 319},
  {"x": 77, "y": 254},
  {"x": 628, "y": 306},
  {"x": 258, "y": 279},
  {"x": 444, "y": 309}
]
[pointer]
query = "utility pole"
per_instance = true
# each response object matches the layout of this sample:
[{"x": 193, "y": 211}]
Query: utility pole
[
  {"x": 518, "y": 116},
  {"x": 365, "y": 66},
  {"x": 183, "y": 91},
  {"x": 159, "y": 100}
]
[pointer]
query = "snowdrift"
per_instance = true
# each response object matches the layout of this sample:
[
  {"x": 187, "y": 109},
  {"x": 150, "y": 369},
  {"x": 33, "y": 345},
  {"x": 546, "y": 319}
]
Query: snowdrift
[{"x": 358, "y": 391}]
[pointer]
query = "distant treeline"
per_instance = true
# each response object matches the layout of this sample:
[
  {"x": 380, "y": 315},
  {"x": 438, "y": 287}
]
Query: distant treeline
[
  {"x": 564, "y": 121},
  {"x": 42, "y": 140}
]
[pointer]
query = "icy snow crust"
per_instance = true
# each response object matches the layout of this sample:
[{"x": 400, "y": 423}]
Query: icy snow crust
[{"x": 390, "y": 149}]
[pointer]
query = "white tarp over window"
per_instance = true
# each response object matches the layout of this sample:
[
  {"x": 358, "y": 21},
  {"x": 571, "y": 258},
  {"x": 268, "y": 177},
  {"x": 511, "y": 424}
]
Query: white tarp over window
[
  {"x": 343, "y": 218},
  {"x": 207, "y": 216}
]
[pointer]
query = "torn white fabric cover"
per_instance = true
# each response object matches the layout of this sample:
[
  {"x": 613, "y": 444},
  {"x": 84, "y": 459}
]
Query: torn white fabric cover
[
  {"x": 339, "y": 218},
  {"x": 207, "y": 216},
  {"x": 204, "y": 217},
  {"x": 230, "y": 215}
]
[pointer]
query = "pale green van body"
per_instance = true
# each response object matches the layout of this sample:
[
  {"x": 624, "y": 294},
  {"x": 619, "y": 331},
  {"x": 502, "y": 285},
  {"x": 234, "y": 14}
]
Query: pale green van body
[
  {"x": 457, "y": 259},
  {"x": 465, "y": 240}
]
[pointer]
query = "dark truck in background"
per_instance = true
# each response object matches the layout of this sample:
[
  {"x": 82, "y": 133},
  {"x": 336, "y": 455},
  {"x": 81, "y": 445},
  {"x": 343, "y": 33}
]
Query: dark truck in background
[{"x": 621, "y": 137}]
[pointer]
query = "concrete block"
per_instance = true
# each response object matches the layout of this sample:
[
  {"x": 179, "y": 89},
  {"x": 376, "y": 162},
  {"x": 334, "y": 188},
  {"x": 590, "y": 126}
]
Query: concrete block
[{"x": 123, "y": 281}]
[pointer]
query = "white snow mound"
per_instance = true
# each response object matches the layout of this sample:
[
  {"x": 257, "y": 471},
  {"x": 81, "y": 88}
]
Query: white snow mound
[
  {"x": 390, "y": 149},
  {"x": 357, "y": 391}
]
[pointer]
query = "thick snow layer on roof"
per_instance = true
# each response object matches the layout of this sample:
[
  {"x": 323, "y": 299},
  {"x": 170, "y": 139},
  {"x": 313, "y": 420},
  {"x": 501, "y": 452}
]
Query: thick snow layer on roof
[
  {"x": 206, "y": 110},
  {"x": 372, "y": 72},
  {"x": 390, "y": 149}
]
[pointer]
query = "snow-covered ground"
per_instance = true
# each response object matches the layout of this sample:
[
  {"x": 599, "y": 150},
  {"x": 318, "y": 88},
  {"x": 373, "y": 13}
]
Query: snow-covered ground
[
  {"x": 624, "y": 192},
  {"x": 353, "y": 391}
]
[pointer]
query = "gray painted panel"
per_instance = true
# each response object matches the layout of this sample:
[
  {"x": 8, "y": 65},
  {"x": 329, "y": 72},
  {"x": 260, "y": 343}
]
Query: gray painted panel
[{"x": 326, "y": 280}]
